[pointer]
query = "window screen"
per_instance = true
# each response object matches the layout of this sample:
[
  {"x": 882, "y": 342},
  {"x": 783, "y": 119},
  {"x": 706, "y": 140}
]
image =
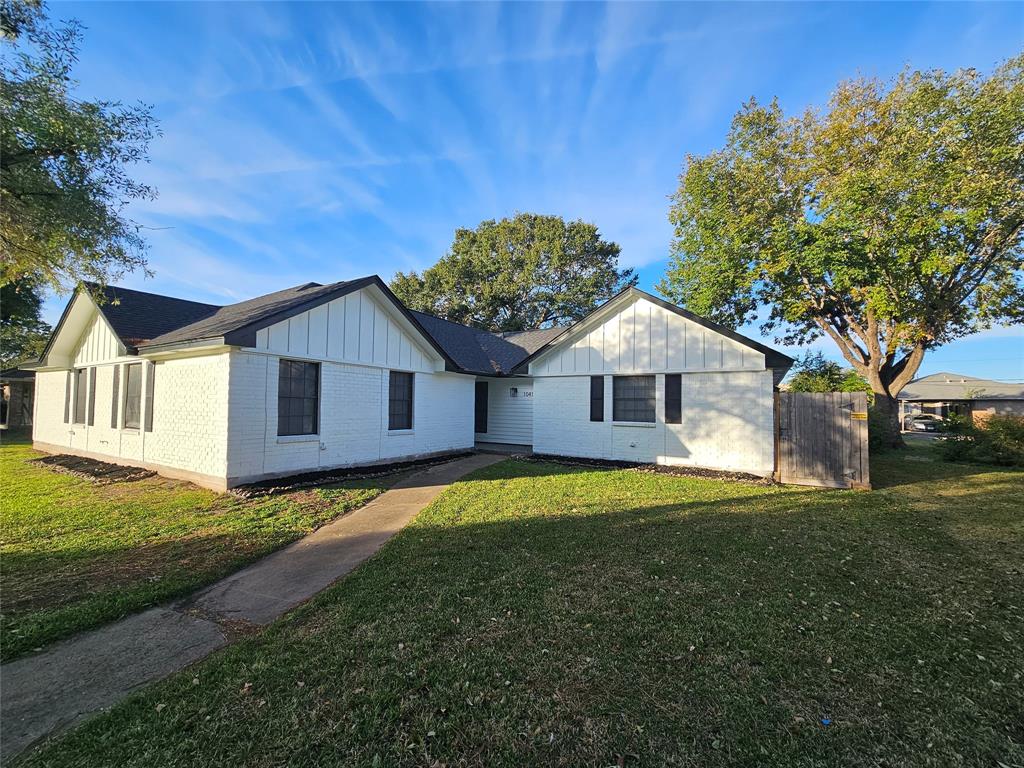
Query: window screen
[
  {"x": 673, "y": 398},
  {"x": 633, "y": 398},
  {"x": 132, "y": 395},
  {"x": 81, "y": 391},
  {"x": 597, "y": 398},
  {"x": 400, "y": 400},
  {"x": 298, "y": 397}
]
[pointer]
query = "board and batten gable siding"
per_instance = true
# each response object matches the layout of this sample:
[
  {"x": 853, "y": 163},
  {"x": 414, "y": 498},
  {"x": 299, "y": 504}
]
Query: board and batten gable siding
[
  {"x": 98, "y": 344},
  {"x": 509, "y": 419},
  {"x": 354, "y": 328},
  {"x": 353, "y": 421},
  {"x": 643, "y": 337},
  {"x": 727, "y": 423}
]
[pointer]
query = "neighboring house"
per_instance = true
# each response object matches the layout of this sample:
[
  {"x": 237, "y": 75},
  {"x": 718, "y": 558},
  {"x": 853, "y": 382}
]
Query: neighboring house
[
  {"x": 973, "y": 398},
  {"x": 18, "y": 389},
  {"x": 324, "y": 376}
]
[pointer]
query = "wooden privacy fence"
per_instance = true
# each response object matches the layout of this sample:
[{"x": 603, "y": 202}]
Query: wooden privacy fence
[{"x": 822, "y": 439}]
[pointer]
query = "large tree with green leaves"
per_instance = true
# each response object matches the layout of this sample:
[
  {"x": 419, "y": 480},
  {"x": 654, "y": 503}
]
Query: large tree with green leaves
[
  {"x": 890, "y": 222},
  {"x": 530, "y": 271},
  {"x": 64, "y": 162},
  {"x": 23, "y": 333},
  {"x": 813, "y": 372}
]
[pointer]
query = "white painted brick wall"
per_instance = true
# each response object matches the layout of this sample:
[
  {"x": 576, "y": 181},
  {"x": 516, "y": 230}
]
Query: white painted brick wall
[
  {"x": 48, "y": 422},
  {"x": 189, "y": 416},
  {"x": 353, "y": 418},
  {"x": 727, "y": 423}
]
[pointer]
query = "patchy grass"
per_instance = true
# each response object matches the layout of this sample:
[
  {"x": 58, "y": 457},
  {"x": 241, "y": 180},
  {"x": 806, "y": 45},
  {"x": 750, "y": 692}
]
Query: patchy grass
[
  {"x": 74, "y": 555},
  {"x": 545, "y": 615}
]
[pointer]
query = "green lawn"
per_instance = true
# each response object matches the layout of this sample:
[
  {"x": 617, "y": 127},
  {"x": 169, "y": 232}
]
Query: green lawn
[
  {"x": 542, "y": 615},
  {"x": 74, "y": 555}
]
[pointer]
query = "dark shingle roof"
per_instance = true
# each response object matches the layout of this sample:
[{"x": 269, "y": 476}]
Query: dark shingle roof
[
  {"x": 955, "y": 386},
  {"x": 480, "y": 351},
  {"x": 234, "y": 316},
  {"x": 16, "y": 374},
  {"x": 149, "y": 320},
  {"x": 137, "y": 316}
]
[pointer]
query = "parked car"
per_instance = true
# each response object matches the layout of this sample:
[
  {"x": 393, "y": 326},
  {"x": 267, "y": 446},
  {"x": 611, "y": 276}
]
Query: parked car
[{"x": 923, "y": 422}]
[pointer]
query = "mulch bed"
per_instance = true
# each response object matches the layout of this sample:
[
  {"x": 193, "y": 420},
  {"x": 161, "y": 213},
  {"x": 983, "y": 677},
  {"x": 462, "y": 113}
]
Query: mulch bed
[
  {"x": 329, "y": 476},
  {"x": 657, "y": 469},
  {"x": 99, "y": 472}
]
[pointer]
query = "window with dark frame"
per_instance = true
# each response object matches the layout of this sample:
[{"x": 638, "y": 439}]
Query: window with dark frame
[
  {"x": 597, "y": 398},
  {"x": 133, "y": 396},
  {"x": 298, "y": 398},
  {"x": 81, "y": 391},
  {"x": 400, "y": 400},
  {"x": 673, "y": 398},
  {"x": 633, "y": 398}
]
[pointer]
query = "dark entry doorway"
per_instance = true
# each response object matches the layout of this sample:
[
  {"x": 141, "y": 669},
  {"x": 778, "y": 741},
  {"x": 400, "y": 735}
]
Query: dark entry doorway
[{"x": 481, "y": 408}]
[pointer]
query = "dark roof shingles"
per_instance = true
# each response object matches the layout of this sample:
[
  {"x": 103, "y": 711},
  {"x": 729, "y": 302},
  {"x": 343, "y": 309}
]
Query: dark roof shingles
[
  {"x": 234, "y": 316},
  {"x": 157, "y": 320},
  {"x": 481, "y": 351},
  {"x": 138, "y": 316}
]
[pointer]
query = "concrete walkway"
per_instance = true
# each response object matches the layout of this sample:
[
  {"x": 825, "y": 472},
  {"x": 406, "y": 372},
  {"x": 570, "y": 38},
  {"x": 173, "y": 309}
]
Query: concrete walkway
[{"x": 50, "y": 691}]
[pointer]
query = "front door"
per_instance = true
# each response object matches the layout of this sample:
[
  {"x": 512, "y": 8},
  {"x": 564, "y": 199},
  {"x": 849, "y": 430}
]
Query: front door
[{"x": 481, "y": 408}]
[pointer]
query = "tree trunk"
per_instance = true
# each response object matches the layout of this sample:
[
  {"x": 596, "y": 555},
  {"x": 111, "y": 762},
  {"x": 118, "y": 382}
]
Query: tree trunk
[{"x": 888, "y": 408}]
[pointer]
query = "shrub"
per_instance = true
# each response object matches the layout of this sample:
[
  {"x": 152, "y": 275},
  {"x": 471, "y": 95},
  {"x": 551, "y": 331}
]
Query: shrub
[
  {"x": 998, "y": 440},
  {"x": 955, "y": 423}
]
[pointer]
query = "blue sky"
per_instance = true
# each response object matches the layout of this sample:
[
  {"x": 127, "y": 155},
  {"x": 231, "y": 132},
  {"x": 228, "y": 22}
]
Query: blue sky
[{"x": 328, "y": 141}]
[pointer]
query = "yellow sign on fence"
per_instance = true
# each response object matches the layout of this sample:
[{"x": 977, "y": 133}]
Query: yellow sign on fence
[{"x": 858, "y": 415}]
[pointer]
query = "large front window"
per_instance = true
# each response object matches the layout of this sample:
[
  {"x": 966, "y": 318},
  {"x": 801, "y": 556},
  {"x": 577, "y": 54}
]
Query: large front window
[
  {"x": 298, "y": 398},
  {"x": 633, "y": 398}
]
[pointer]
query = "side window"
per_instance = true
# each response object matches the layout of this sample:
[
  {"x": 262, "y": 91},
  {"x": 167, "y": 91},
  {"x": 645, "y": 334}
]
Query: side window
[
  {"x": 673, "y": 398},
  {"x": 81, "y": 392},
  {"x": 400, "y": 400},
  {"x": 298, "y": 398},
  {"x": 633, "y": 398},
  {"x": 133, "y": 396},
  {"x": 597, "y": 398}
]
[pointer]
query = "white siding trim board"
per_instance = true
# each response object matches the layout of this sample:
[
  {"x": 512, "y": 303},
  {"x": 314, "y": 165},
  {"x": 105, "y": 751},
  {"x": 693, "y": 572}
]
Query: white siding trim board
[{"x": 509, "y": 419}]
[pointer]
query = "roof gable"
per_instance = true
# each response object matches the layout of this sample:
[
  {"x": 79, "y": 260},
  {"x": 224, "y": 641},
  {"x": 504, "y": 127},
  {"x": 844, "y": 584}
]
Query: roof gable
[
  {"x": 80, "y": 318},
  {"x": 732, "y": 342}
]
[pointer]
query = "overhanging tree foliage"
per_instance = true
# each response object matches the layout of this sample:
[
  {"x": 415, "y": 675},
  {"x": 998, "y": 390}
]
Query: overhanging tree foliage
[
  {"x": 814, "y": 373},
  {"x": 64, "y": 181},
  {"x": 23, "y": 334},
  {"x": 891, "y": 222},
  {"x": 530, "y": 271}
]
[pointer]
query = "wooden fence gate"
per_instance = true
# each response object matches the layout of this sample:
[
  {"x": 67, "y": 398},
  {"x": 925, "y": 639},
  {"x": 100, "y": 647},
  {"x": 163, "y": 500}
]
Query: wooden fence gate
[{"x": 822, "y": 439}]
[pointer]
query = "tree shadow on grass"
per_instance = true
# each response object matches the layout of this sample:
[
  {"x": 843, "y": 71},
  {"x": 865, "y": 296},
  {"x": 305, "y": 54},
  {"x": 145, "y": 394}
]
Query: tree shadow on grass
[{"x": 541, "y": 615}]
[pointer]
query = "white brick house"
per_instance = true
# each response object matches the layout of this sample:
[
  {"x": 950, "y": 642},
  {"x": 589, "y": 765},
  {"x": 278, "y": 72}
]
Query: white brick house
[{"x": 317, "y": 377}]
